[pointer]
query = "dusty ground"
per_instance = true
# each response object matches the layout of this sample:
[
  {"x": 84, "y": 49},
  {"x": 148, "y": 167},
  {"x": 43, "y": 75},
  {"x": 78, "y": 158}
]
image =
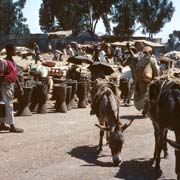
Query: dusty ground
[{"x": 57, "y": 146}]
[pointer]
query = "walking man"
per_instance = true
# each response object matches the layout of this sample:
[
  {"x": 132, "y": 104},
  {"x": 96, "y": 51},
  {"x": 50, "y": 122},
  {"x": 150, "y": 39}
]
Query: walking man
[{"x": 37, "y": 53}]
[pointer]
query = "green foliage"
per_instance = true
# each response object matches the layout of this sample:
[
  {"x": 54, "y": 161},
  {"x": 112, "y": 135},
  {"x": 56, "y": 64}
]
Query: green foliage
[
  {"x": 75, "y": 15},
  {"x": 154, "y": 14},
  {"x": 101, "y": 9},
  {"x": 78, "y": 15},
  {"x": 46, "y": 14},
  {"x": 125, "y": 14},
  {"x": 64, "y": 14},
  {"x": 11, "y": 17}
]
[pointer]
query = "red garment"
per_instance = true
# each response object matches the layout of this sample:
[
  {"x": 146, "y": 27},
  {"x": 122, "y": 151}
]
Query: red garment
[{"x": 10, "y": 74}]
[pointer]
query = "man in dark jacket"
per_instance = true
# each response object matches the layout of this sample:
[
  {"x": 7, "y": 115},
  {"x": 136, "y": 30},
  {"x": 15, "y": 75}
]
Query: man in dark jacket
[{"x": 73, "y": 74}]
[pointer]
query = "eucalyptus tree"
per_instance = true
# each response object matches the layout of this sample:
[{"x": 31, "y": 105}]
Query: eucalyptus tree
[
  {"x": 102, "y": 9},
  {"x": 46, "y": 16},
  {"x": 6, "y": 12},
  {"x": 11, "y": 17},
  {"x": 125, "y": 14},
  {"x": 154, "y": 14},
  {"x": 19, "y": 25},
  {"x": 64, "y": 14},
  {"x": 76, "y": 15}
]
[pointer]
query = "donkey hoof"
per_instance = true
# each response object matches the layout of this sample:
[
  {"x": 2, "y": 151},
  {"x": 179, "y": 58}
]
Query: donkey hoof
[
  {"x": 99, "y": 149},
  {"x": 116, "y": 162},
  {"x": 158, "y": 170},
  {"x": 152, "y": 161}
]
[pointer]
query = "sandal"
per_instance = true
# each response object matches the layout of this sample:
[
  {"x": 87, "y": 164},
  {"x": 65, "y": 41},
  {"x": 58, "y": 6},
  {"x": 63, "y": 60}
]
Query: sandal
[
  {"x": 16, "y": 130},
  {"x": 4, "y": 127}
]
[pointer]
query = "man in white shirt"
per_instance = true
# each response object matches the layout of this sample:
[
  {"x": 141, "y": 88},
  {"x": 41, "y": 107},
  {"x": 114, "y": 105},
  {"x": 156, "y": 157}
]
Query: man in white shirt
[
  {"x": 102, "y": 57},
  {"x": 69, "y": 50},
  {"x": 117, "y": 54}
]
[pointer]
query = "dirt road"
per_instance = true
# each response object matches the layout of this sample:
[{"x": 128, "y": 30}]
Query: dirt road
[{"x": 57, "y": 146}]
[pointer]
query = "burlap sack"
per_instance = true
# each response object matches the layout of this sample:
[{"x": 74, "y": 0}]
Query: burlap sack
[{"x": 147, "y": 73}]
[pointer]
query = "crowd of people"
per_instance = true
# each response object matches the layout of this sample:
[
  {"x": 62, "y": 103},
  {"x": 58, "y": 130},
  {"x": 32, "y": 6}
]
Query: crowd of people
[{"x": 136, "y": 69}]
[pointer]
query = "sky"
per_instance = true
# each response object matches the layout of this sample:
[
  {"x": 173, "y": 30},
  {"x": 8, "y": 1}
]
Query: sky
[{"x": 31, "y": 12}]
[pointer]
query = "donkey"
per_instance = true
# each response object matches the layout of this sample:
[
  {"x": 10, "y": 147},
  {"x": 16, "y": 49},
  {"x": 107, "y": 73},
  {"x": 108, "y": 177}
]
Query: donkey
[
  {"x": 105, "y": 104},
  {"x": 164, "y": 111}
]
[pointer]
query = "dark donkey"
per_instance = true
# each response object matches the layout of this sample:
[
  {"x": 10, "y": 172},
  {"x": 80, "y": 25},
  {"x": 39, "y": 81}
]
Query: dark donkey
[
  {"x": 164, "y": 111},
  {"x": 105, "y": 104}
]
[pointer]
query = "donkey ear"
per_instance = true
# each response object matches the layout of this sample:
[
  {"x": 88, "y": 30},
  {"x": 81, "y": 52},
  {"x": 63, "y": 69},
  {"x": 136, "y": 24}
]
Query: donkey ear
[
  {"x": 173, "y": 144},
  {"x": 126, "y": 125}
]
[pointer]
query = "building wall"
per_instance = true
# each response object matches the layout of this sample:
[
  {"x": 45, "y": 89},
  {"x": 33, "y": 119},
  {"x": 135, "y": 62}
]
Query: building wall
[{"x": 28, "y": 40}]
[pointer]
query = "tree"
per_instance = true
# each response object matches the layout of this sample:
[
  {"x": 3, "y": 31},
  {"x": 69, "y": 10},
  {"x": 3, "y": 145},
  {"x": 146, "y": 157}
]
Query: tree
[
  {"x": 102, "y": 9},
  {"x": 18, "y": 21},
  {"x": 64, "y": 14},
  {"x": 154, "y": 14},
  {"x": 11, "y": 17},
  {"x": 46, "y": 14},
  {"x": 6, "y": 9},
  {"x": 76, "y": 15},
  {"x": 125, "y": 15}
]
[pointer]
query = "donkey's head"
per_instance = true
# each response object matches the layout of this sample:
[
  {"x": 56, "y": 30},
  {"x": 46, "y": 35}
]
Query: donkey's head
[{"x": 116, "y": 140}]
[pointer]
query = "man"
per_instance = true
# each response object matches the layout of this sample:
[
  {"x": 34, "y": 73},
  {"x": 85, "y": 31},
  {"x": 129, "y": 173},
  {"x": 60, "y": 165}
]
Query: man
[
  {"x": 69, "y": 50},
  {"x": 8, "y": 72},
  {"x": 49, "y": 48},
  {"x": 37, "y": 53},
  {"x": 130, "y": 58},
  {"x": 126, "y": 84},
  {"x": 146, "y": 70},
  {"x": 73, "y": 74},
  {"x": 129, "y": 61},
  {"x": 95, "y": 54},
  {"x": 117, "y": 54},
  {"x": 102, "y": 55}
]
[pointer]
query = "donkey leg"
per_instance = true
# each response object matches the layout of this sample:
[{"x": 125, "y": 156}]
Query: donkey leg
[
  {"x": 156, "y": 137},
  {"x": 165, "y": 149},
  {"x": 101, "y": 134},
  {"x": 107, "y": 134},
  {"x": 177, "y": 154},
  {"x": 159, "y": 149}
]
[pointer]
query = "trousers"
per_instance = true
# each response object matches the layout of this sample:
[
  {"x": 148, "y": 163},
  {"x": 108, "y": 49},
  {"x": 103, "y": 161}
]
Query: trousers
[{"x": 7, "y": 93}]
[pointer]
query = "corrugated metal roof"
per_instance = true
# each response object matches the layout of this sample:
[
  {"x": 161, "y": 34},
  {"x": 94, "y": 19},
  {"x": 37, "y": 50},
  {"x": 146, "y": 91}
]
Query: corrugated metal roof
[
  {"x": 149, "y": 43},
  {"x": 61, "y": 33},
  {"x": 144, "y": 43},
  {"x": 122, "y": 43}
]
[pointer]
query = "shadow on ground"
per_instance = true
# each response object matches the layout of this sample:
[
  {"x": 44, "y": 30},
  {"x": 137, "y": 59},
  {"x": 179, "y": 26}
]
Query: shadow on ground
[
  {"x": 135, "y": 117},
  {"x": 136, "y": 169},
  {"x": 90, "y": 155},
  {"x": 139, "y": 169}
]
